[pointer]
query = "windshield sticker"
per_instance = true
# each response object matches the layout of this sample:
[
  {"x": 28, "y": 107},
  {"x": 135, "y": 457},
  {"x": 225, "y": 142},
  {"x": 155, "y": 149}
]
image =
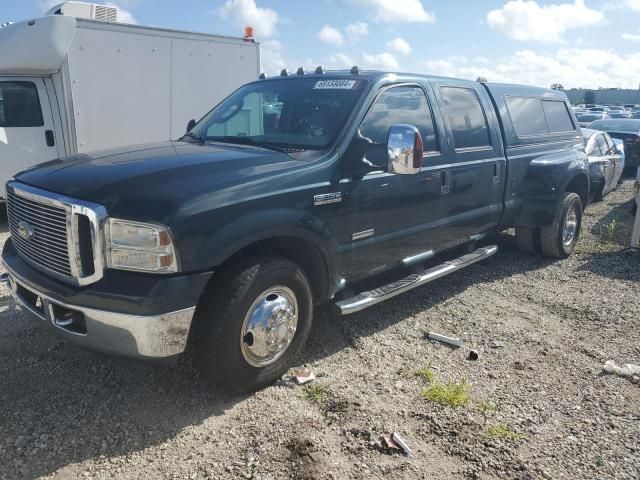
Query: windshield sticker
[{"x": 334, "y": 84}]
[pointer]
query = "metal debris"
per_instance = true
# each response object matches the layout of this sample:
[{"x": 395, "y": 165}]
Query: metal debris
[
  {"x": 303, "y": 376},
  {"x": 628, "y": 370},
  {"x": 395, "y": 442},
  {"x": 453, "y": 341}
]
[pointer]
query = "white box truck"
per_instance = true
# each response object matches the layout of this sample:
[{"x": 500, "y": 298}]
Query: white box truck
[{"x": 70, "y": 85}]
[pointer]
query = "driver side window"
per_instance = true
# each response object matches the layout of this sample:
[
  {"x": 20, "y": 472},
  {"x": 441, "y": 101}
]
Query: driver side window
[{"x": 396, "y": 105}]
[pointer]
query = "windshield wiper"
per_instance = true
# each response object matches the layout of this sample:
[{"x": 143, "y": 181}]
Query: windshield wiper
[
  {"x": 194, "y": 136},
  {"x": 246, "y": 141}
]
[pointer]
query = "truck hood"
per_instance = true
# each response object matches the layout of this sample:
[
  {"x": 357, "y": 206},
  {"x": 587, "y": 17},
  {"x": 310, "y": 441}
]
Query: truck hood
[{"x": 161, "y": 175}]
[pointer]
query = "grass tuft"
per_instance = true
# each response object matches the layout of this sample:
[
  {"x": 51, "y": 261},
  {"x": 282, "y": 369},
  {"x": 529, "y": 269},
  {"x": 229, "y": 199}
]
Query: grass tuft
[
  {"x": 316, "y": 393},
  {"x": 487, "y": 407},
  {"x": 453, "y": 394},
  {"x": 502, "y": 432},
  {"x": 425, "y": 374}
]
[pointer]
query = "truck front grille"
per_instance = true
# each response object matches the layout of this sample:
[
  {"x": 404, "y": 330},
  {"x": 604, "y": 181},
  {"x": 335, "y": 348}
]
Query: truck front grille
[
  {"x": 47, "y": 243},
  {"x": 56, "y": 234}
]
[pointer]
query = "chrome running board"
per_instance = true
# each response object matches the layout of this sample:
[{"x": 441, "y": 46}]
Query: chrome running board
[{"x": 367, "y": 299}]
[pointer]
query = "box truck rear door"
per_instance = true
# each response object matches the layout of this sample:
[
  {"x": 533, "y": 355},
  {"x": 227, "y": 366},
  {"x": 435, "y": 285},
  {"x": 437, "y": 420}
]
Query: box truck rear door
[{"x": 26, "y": 126}]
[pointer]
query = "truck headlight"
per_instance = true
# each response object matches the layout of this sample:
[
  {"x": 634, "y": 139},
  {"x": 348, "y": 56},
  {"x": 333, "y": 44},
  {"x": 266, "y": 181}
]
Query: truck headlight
[{"x": 141, "y": 247}]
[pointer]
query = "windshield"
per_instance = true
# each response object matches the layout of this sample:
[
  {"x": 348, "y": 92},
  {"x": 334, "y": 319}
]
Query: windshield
[
  {"x": 625, "y": 126},
  {"x": 304, "y": 113}
]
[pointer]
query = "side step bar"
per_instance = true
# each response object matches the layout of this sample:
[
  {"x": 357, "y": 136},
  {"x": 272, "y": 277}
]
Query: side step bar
[{"x": 367, "y": 299}]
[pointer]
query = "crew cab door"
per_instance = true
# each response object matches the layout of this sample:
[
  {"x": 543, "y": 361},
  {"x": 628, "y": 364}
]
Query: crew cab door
[
  {"x": 26, "y": 126},
  {"x": 616, "y": 162},
  {"x": 477, "y": 161},
  {"x": 393, "y": 218}
]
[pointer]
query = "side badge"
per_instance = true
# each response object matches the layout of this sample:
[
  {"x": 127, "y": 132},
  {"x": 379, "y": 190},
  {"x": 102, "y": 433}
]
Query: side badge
[{"x": 327, "y": 198}]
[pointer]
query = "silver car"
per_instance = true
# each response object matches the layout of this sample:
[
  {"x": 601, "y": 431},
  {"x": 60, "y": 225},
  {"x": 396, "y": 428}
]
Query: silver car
[{"x": 606, "y": 163}]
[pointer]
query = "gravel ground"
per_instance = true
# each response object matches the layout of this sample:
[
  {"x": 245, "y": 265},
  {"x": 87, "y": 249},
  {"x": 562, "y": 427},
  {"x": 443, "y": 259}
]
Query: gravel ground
[{"x": 539, "y": 405}]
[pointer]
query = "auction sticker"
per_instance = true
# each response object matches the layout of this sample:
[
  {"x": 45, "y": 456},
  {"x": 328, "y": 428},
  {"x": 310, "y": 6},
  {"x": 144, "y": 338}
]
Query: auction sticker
[{"x": 334, "y": 84}]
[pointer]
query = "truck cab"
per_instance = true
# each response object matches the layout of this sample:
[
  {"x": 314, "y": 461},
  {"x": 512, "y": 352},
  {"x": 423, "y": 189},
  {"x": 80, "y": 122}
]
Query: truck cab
[{"x": 288, "y": 194}]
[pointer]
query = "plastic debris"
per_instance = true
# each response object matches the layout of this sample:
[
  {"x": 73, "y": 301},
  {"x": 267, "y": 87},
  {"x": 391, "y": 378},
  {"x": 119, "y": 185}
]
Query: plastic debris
[
  {"x": 395, "y": 442},
  {"x": 627, "y": 370},
  {"x": 473, "y": 355},
  {"x": 403, "y": 445},
  {"x": 303, "y": 376},
  {"x": 453, "y": 341}
]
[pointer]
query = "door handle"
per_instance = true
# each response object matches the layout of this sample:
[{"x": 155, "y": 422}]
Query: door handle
[
  {"x": 444, "y": 186},
  {"x": 50, "y": 139},
  {"x": 496, "y": 177}
]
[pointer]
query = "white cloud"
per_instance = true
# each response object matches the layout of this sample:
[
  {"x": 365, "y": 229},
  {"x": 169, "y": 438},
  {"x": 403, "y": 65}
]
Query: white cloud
[
  {"x": 340, "y": 60},
  {"x": 271, "y": 57},
  {"x": 357, "y": 31},
  {"x": 331, "y": 35},
  {"x": 397, "y": 11},
  {"x": 399, "y": 45},
  {"x": 633, "y": 5},
  {"x": 245, "y": 12},
  {"x": 382, "y": 61},
  {"x": 573, "y": 67},
  {"x": 634, "y": 37},
  {"x": 527, "y": 20}
]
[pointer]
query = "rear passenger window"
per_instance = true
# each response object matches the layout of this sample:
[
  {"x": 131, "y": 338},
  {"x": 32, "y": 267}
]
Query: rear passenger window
[
  {"x": 527, "y": 116},
  {"x": 558, "y": 117},
  {"x": 400, "y": 105},
  {"x": 466, "y": 117},
  {"x": 20, "y": 105}
]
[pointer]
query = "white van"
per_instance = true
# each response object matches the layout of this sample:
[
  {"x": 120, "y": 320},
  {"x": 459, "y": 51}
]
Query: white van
[{"x": 70, "y": 85}]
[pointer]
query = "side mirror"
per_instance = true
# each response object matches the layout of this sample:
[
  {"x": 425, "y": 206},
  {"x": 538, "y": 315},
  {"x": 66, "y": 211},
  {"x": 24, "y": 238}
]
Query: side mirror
[
  {"x": 191, "y": 124},
  {"x": 405, "y": 150}
]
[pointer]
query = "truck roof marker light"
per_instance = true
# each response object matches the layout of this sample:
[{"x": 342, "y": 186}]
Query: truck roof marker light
[
  {"x": 262, "y": 76},
  {"x": 300, "y": 71},
  {"x": 355, "y": 70},
  {"x": 319, "y": 70},
  {"x": 284, "y": 72}
]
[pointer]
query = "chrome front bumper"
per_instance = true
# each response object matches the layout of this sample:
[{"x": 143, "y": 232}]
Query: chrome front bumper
[{"x": 152, "y": 337}]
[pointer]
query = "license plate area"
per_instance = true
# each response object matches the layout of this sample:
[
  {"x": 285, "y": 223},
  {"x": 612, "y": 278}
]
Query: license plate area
[{"x": 31, "y": 301}]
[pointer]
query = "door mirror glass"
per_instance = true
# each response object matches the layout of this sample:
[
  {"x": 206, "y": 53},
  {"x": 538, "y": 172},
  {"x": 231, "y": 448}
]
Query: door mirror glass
[
  {"x": 405, "y": 150},
  {"x": 191, "y": 124}
]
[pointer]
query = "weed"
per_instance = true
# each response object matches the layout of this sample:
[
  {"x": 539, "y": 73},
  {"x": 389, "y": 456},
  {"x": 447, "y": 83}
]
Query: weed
[
  {"x": 316, "y": 393},
  {"x": 612, "y": 229},
  {"x": 453, "y": 394},
  {"x": 487, "y": 407},
  {"x": 502, "y": 432},
  {"x": 425, "y": 374}
]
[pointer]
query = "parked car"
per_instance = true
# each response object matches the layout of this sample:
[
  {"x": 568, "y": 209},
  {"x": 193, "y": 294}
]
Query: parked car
[
  {"x": 585, "y": 119},
  {"x": 635, "y": 234},
  {"x": 73, "y": 85},
  {"x": 230, "y": 236},
  {"x": 627, "y": 130},
  {"x": 635, "y": 115},
  {"x": 605, "y": 163}
]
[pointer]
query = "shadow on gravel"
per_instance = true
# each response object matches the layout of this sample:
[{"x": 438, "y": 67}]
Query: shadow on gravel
[
  {"x": 62, "y": 405},
  {"x": 330, "y": 333}
]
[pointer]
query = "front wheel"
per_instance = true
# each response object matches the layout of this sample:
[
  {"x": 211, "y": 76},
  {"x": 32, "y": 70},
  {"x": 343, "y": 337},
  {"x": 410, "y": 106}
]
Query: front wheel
[
  {"x": 253, "y": 322},
  {"x": 559, "y": 239}
]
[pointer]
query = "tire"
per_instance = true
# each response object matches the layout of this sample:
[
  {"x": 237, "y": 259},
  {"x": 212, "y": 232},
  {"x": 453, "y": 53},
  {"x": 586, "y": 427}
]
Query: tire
[
  {"x": 223, "y": 353},
  {"x": 528, "y": 239},
  {"x": 555, "y": 240}
]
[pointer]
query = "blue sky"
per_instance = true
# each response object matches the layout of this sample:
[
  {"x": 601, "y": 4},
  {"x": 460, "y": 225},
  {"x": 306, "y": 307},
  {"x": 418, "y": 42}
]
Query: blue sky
[{"x": 579, "y": 43}]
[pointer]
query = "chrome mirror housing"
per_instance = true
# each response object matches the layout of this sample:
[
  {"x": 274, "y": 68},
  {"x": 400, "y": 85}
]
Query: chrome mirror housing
[{"x": 405, "y": 150}]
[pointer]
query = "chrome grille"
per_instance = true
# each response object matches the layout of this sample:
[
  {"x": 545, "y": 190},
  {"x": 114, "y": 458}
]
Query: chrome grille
[
  {"x": 48, "y": 246},
  {"x": 57, "y": 234}
]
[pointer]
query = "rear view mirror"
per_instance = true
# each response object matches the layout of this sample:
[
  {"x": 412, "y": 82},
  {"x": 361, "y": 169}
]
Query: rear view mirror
[
  {"x": 405, "y": 150},
  {"x": 190, "y": 125}
]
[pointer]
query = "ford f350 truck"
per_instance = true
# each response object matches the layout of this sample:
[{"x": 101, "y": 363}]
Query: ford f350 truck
[{"x": 288, "y": 194}]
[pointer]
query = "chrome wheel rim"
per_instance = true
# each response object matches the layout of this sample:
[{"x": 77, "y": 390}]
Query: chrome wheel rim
[
  {"x": 269, "y": 326},
  {"x": 570, "y": 228}
]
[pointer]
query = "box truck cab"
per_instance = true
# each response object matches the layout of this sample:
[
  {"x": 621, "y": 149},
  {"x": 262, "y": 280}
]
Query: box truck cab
[{"x": 71, "y": 85}]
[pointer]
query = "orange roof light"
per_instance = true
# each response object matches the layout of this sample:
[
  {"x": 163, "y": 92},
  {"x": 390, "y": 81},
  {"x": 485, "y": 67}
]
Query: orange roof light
[{"x": 248, "y": 32}]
